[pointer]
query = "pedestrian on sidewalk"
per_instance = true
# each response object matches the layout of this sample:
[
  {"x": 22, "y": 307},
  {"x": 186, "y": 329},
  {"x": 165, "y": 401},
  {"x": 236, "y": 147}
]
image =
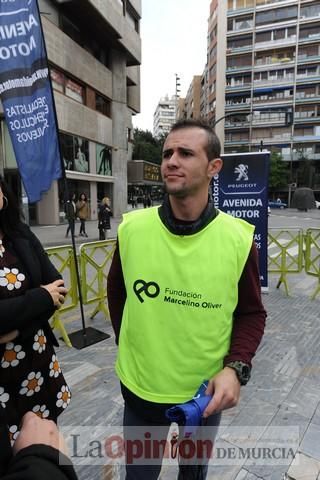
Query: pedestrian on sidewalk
[
  {"x": 104, "y": 215},
  {"x": 71, "y": 210},
  {"x": 82, "y": 213},
  {"x": 184, "y": 299},
  {"x": 31, "y": 289}
]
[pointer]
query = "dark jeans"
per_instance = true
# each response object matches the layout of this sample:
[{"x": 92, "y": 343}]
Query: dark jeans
[
  {"x": 70, "y": 227},
  {"x": 196, "y": 469},
  {"x": 82, "y": 226}
]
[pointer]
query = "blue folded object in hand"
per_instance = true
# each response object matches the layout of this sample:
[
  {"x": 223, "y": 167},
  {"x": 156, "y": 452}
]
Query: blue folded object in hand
[{"x": 190, "y": 413}]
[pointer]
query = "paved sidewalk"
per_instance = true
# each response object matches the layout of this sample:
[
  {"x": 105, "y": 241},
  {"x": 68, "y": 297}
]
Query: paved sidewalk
[
  {"x": 283, "y": 392},
  {"x": 54, "y": 235}
]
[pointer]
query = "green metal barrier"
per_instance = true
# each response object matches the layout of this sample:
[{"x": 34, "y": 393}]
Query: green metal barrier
[
  {"x": 285, "y": 256},
  {"x": 63, "y": 259},
  {"x": 312, "y": 256},
  {"x": 285, "y": 253},
  {"x": 95, "y": 261}
]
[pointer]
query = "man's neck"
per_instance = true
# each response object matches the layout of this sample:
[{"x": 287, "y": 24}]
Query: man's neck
[{"x": 189, "y": 208}]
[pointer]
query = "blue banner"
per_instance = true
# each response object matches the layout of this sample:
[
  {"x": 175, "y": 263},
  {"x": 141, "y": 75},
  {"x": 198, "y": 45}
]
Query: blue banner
[
  {"x": 241, "y": 189},
  {"x": 25, "y": 91}
]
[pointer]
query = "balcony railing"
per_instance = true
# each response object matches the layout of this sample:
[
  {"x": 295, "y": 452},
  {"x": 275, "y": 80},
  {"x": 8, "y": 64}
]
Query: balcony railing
[
  {"x": 276, "y": 81},
  {"x": 308, "y": 74},
  {"x": 278, "y": 101},
  {"x": 233, "y": 124},
  {"x": 310, "y": 36},
  {"x": 238, "y": 68},
  {"x": 310, "y": 98},
  {"x": 237, "y": 49},
  {"x": 243, "y": 105},
  {"x": 244, "y": 26},
  {"x": 261, "y": 3},
  {"x": 308, "y": 58},
  {"x": 280, "y": 42},
  {"x": 238, "y": 86},
  {"x": 272, "y": 60}
]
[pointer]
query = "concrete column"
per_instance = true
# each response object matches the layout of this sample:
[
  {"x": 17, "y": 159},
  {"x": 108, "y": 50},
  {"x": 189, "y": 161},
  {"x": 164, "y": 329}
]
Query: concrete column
[
  {"x": 92, "y": 158},
  {"x": 48, "y": 207},
  {"x": 93, "y": 201},
  {"x": 121, "y": 120}
]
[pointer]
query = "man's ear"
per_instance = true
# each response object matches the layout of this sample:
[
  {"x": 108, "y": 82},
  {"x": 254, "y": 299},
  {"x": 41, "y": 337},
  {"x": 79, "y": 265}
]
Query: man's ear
[{"x": 214, "y": 167}]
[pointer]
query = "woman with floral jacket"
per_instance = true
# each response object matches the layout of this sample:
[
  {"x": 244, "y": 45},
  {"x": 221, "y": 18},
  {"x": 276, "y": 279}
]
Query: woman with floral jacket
[{"x": 30, "y": 290}]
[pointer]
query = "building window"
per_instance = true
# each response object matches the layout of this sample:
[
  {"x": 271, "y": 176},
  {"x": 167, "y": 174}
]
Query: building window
[
  {"x": 103, "y": 159},
  {"x": 63, "y": 84},
  {"x": 239, "y": 42},
  {"x": 312, "y": 31},
  {"x": 132, "y": 17},
  {"x": 74, "y": 90},
  {"x": 276, "y": 15},
  {"x": 310, "y": 11},
  {"x": 103, "y": 105},
  {"x": 237, "y": 4},
  {"x": 57, "y": 79},
  {"x": 71, "y": 29},
  {"x": 75, "y": 152}
]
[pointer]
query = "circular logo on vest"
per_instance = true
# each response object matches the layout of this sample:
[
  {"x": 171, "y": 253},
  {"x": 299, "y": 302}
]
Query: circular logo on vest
[{"x": 150, "y": 289}]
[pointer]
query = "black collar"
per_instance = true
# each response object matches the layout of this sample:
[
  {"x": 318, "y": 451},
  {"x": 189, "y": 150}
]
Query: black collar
[{"x": 180, "y": 227}]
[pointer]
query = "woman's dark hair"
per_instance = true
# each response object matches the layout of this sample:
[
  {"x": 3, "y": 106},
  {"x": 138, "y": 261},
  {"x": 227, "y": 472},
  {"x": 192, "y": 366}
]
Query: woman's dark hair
[
  {"x": 213, "y": 147},
  {"x": 11, "y": 218},
  {"x": 71, "y": 196},
  {"x": 85, "y": 196}
]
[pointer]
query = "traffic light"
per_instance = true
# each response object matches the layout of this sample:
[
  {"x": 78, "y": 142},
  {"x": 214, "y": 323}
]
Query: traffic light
[{"x": 178, "y": 85}]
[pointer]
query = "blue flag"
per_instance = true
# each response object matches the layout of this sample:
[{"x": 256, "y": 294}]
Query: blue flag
[{"x": 25, "y": 91}]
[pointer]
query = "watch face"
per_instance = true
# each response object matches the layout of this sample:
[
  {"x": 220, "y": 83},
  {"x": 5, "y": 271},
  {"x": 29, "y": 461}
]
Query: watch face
[
  {"x": 245, "y": 372},
  {"x": 242, "y": 370}
]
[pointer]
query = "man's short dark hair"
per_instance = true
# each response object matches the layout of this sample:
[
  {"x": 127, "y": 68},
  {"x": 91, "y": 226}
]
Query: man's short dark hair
[{"x": 213, "y": 148}]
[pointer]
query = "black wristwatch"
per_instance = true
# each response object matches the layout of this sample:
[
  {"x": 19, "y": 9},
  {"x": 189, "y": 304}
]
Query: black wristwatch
[{"x": 243, "y": 371}]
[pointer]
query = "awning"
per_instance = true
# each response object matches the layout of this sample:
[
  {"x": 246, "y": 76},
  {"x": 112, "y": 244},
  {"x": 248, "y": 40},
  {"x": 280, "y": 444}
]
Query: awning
[{"x": 271, "y": 89}]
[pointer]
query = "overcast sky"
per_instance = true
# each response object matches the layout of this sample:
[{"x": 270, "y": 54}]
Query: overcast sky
[{"x": 174, "y": 40}]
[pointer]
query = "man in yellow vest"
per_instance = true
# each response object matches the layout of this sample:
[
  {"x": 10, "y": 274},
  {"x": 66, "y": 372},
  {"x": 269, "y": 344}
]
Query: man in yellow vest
[{"x": 184, "y": 299}]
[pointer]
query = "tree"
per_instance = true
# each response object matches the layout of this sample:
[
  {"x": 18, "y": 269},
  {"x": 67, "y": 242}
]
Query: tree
[
  {"x": 278, "y": 173},
  {"x": 306, "y": 169},
  {"x": 146, "y": 146}
]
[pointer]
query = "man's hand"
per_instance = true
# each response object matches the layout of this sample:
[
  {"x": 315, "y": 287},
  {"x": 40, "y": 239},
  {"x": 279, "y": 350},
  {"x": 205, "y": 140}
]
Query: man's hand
[
  {"x": 225, "y": 388},
  {"x": 35, "y": 430},
  {"x": 8, "y": 337}
]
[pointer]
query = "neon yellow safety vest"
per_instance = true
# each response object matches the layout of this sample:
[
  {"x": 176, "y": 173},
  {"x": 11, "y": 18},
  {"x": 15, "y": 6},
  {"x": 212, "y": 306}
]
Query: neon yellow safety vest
[{"x": 181, "y": 295}]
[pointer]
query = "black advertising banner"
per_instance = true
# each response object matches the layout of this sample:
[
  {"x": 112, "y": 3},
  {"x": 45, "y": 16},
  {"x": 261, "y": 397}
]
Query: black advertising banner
[{"x": 241, "y": 190}]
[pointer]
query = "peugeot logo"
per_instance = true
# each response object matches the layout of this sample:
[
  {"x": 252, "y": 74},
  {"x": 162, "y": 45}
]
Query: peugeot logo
[
  {"x": 151, "y": 289},
  {"x": 242, "y": 171}
]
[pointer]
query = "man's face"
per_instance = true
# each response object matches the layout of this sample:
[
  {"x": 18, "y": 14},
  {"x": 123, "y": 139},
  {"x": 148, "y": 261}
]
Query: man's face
[{"x": 185, "y": 168}]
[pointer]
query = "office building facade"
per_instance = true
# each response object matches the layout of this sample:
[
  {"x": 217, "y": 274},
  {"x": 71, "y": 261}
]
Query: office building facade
[
  {"x": 164, "y": 115},
  {"x": 189, "y": 107},
  {"x": 263, "y": 76},
  {"x": 94, "y": 54}
]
